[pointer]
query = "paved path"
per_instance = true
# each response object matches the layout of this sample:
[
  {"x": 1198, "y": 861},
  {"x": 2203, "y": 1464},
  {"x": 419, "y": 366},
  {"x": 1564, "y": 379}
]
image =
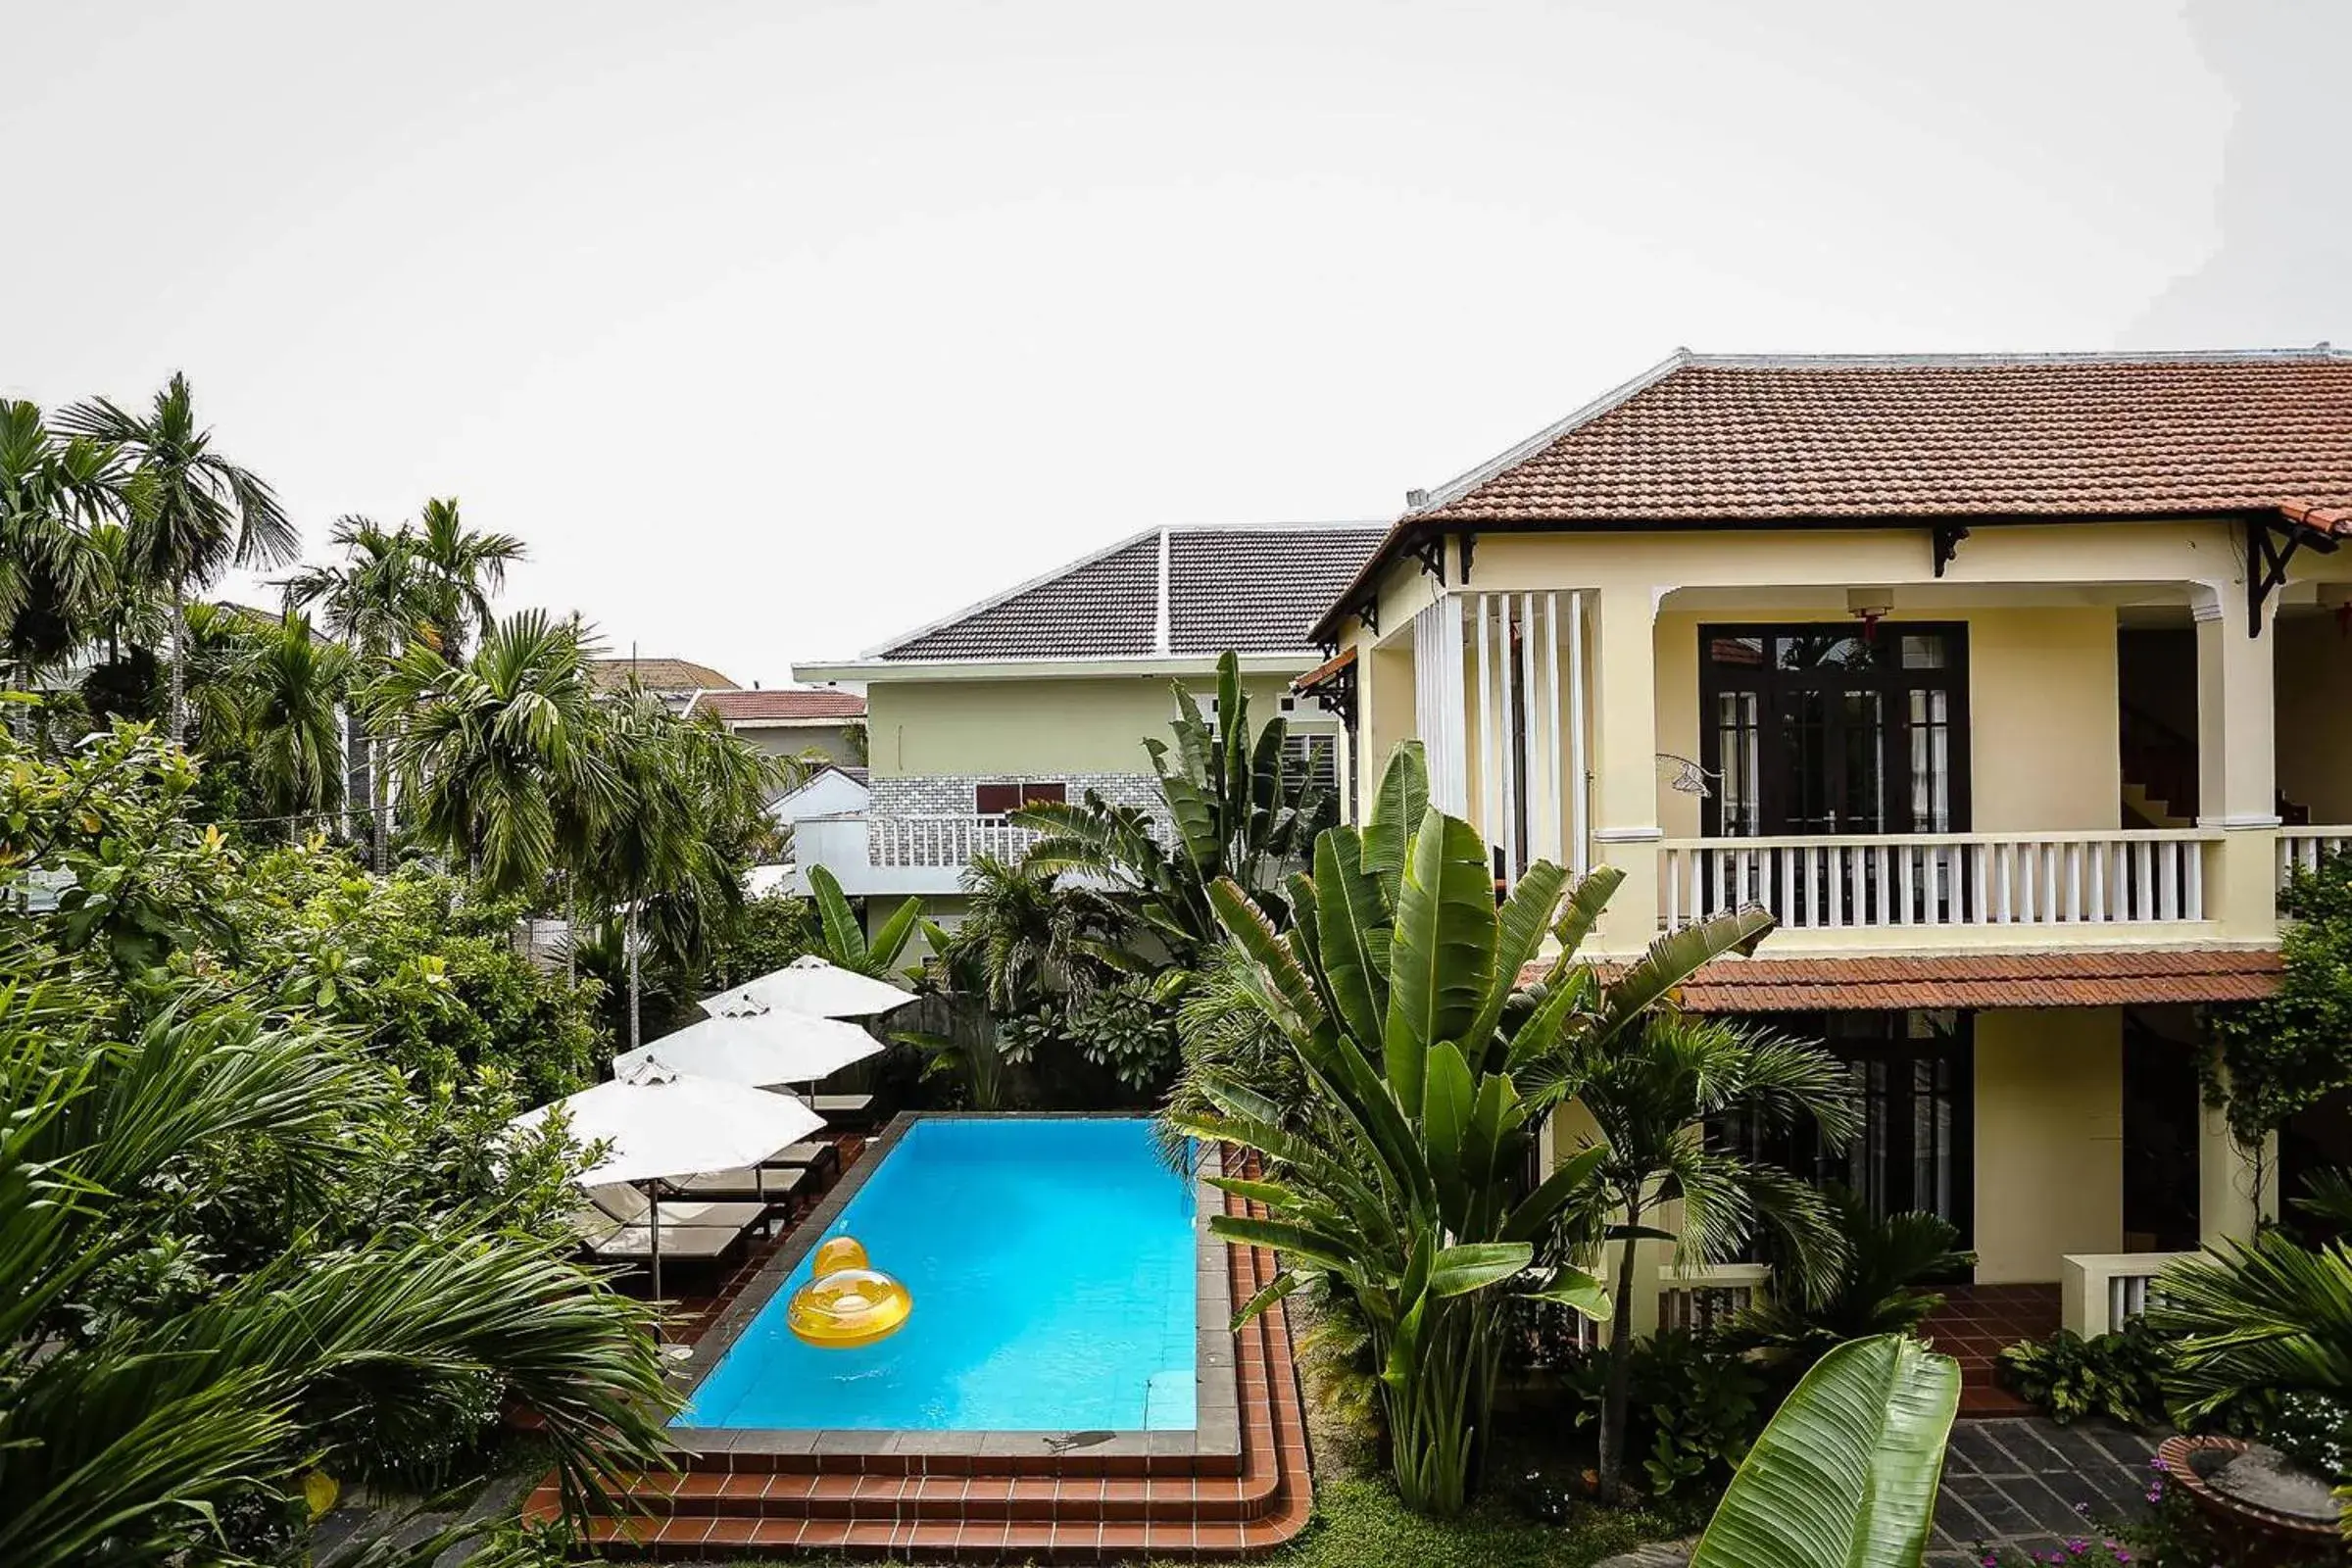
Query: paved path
[
  {"x": 2012, "y": 1483},
  {"x": 2018, "y": 1483}
]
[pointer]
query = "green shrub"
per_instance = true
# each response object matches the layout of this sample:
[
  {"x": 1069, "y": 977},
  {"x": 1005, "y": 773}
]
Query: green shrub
[
  {"x": 2118, "y": 1375},
  {"x": 1696, "y": 1406}
]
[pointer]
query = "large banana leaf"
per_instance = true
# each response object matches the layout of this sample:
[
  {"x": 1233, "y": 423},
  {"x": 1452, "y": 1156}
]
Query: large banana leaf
[
  {"x": 1352, "y": 925},
  {"x": 1398, "y": 807},
  {"x": 1845, "y": 1475},
  {"x": 1442, "y": 957}
]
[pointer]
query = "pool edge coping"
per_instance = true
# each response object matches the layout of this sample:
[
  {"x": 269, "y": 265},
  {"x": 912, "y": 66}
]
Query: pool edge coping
[{"x": 1216, "y": 1429}]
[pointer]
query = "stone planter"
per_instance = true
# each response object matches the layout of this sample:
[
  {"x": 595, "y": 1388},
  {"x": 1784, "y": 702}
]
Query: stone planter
[{"x": 2272, "y": 1534}]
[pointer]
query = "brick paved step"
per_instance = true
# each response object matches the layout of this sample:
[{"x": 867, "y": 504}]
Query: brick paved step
[{"x": 934, "y": 1499}]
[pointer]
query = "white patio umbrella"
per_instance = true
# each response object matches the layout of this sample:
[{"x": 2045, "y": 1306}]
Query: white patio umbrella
[
  {"x": 659, "y": 1122},
  {"x": 763, "y": 1049},
  {"x": 812, "y": 986}
]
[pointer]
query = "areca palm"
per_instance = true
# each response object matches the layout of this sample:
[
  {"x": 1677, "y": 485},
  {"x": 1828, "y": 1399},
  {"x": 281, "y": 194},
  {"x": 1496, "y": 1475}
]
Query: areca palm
[
  {"x": 51, "y": 493},
  {"x": 1651, "y": 1091},
  {"x": 1028, "y": 935},
  {"x": 294, "y": 685},
  {"x": 459, "y": 569},
  {"x": 373, "y": 601},
  {"x": 192, "y": 512},
  {"x": 491, "y": 751},
  {"x": 676, "y": 782}
]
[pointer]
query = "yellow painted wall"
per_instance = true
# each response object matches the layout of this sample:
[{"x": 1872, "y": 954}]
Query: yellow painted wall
[
  {"x": 2049, "y": 1139},
  {"x": 1096, "y": 725},
  {"x": 2315, "y": 716}
]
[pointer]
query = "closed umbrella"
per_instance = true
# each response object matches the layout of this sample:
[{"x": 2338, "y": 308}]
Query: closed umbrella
[
  {"x": 658, "y": 1122},
  {"x": 762, "y": 1048},
  {"x": 812, "y": 986}
]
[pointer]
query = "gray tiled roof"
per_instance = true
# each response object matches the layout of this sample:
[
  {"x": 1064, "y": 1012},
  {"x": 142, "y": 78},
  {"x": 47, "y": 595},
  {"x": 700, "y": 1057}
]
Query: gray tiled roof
[
  {"x": 1249, "y": 589},
  {"x": 1257, "y": 591}
]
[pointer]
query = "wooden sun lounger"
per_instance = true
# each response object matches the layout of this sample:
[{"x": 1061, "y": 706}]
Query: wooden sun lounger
[
  {"x": 775, "y": 1185},
  {"x": 849, "y": 1112},
  {"x": 680, "y": 1244}
]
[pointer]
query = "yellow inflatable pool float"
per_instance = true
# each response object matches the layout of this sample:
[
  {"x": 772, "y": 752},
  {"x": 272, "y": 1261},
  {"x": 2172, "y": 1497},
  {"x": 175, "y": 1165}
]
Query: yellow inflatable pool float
[{"x": 846, "y": 1302}]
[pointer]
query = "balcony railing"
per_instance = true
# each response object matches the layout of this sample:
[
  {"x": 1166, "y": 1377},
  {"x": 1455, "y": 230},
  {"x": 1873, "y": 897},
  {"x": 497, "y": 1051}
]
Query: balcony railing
[
  {"x": 1883, "y": 881},
  {"x": 2301, "y": 849},
  {"x": 2101, "y": 1291},
  {"x": 1707, "y": 1296},
  {"x": 943, "y": 840}
]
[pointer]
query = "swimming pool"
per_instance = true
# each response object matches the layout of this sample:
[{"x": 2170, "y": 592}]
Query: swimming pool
[{"x": 1052, "y": 1265}]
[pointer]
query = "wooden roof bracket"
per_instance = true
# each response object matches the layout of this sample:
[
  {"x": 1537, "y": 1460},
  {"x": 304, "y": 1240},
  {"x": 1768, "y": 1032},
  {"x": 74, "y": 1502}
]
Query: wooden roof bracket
[
  {"x": 1468, "y": 544},
  {"x": 2270, "y": 544},
  {"x": 1429, "y": 549},
  {"x": 1947, "y": 537},
  {"x": 1335, "y": 692}
]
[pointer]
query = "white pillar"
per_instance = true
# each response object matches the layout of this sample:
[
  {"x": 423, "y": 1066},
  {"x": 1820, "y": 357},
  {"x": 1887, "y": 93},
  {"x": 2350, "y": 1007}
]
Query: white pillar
[
  {"x": 2238, "y": 789},
  {"x": 2235, "y": 1191}
]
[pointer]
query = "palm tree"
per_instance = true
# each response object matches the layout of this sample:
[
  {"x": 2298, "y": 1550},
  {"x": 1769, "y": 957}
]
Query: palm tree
[
  {"x": 1650, "y": 1094},
  {"x": 678, "y": 783},
  {"x": 491, "y": 751},
  {"x": 51, "y": 493},
  {"x": 193, "y": 514},
  {"x": 459, "y": 568},
  {"x": 373, "y": 601},
  {"x": 294, "y": 685},
  {"x": 1030, "y": 936}
]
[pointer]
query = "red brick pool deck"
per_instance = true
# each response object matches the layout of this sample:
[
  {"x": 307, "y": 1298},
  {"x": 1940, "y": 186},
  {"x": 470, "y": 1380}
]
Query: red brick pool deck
[{"x": 1073, "y": 1506}]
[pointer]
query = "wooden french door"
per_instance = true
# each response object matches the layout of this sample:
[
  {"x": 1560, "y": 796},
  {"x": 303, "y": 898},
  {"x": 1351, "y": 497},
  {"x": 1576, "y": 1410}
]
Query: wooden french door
[{"x": 1822, "y": 730}]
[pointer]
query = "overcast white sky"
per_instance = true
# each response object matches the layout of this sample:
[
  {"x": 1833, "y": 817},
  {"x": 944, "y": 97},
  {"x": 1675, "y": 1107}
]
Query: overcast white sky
[{"x": 776, "y": 328}]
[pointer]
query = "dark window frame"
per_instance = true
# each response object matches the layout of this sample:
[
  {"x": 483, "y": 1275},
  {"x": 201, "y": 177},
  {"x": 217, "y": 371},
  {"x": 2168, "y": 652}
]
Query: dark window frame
[
  {"x": 1025, "y": 792},
  {"x": 1775, "y": 690}
]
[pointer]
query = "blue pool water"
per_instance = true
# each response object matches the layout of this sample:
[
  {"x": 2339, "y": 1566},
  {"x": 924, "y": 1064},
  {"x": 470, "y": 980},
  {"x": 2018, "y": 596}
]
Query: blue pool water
[{"x": 1052, "y": 1265}]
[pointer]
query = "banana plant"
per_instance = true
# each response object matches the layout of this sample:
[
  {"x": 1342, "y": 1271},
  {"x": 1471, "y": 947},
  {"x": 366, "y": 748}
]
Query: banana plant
[
  {"x": 1231, "y": 810},
  {"x": 1398, "y": 989},
  {"x": 1846, "y": 1474},
  {"x": 842, "y": 940}
]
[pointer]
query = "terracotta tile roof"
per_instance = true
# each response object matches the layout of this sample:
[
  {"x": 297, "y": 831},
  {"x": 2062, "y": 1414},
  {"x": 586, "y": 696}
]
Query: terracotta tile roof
[
  {"x": 1252, "y": 589},
  {"x": 657, "y": 675},
  {"x": 2089, "y": 979},
  {"x": 1344, "y": 659},
  {"x": 1806, "y": 439},
  {"x": 783, "y": 703}
]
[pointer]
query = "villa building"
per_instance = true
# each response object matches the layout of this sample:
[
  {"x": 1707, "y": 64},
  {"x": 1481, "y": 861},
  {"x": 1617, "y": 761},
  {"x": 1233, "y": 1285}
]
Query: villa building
[
  {"x": 2013, "y": 685},
  {"x": 815, "y": 727},
  {"x": 1046, "y": 691}
]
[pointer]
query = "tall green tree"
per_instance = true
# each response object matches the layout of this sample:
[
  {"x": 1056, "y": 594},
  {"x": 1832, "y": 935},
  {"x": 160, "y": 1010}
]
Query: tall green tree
[
  {"x": 192, "y": 512},
  {"x": 491, "y": 752},
  {"x": 53, "y": 492},
  {"x": 294, "y": 686},
  {"x": 1651, "y": 1090},
  {"x": 372, "y": 601},
  {"x": 676, "y": 783},
  {"x": 461, "y": 569}
]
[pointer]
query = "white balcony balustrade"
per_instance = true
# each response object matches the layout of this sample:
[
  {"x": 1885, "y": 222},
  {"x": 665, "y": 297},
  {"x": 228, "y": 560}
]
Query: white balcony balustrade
[
  {"x": 1884, "y": 881},
  {"x": 2101, "y": 1292},
  {"x": 899, "y": 842},
  {"x": 2302, "y": 849}
]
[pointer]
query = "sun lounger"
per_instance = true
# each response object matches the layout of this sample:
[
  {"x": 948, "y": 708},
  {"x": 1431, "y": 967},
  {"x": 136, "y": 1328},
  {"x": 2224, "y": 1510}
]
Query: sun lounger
[
  {"x": 680, "y": 1244},
  {"x": 849, "y": 1112},
  {"x": 626, "y": 1206},
  {"x": 816, "y": 1154},
  {"x": 774, "y": 1185}
]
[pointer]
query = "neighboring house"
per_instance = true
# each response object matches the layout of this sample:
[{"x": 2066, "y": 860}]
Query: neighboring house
[
  {"x": 1047, "y": 691},
  {"x": 834, "y": 790},
  {"x": 677, "y": 681},
  {"x": 2010, "y": 683},
  {"x": 803, "y": 724}
]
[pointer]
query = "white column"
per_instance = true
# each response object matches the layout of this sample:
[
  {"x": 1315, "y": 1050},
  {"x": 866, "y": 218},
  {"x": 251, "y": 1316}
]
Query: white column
[
  {"x": 2235, "y": 1191},
  {"x": 2237, "y": 788},
  {"x": 1439, "y": 701}
]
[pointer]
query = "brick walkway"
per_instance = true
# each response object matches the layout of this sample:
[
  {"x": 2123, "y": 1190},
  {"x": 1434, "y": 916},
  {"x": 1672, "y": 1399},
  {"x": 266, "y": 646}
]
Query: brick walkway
[{"x": 1976, "y": 1323}]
